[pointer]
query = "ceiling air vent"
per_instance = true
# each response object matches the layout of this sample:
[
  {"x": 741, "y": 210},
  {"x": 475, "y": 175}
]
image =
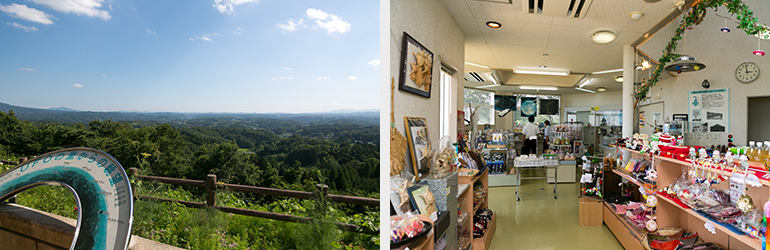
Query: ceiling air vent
[
  {"x": 473, "y": 77},
  {"x": 557, "y": 8}
]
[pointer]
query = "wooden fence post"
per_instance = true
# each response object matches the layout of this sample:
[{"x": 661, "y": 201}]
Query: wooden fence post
[
  {"x": 323, "y": 195},
  {"x": 211, "y": 187},
  {"x": 133, "y": 172}
]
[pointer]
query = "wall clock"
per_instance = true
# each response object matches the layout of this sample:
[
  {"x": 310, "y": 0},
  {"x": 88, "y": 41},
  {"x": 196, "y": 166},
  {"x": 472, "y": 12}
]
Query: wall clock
[{"x": 747, "y": 72}]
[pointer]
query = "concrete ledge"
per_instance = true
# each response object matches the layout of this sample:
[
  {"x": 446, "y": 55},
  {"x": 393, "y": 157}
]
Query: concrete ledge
[{"x": 26, "y": 228}]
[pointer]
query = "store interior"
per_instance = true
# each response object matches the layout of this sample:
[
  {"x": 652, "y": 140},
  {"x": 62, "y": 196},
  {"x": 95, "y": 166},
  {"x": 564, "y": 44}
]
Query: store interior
[{"x": 657, "y": 136}]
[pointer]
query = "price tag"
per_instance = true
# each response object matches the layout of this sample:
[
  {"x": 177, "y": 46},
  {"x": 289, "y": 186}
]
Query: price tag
[{"x": 710, "y": 226}]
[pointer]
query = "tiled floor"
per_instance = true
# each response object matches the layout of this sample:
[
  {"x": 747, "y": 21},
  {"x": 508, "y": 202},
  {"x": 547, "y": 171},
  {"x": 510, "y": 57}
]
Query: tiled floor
[{"x": 539, "y": 221}]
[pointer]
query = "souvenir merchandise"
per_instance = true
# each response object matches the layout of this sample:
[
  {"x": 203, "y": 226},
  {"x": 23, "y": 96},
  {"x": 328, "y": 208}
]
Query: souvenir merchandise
[
  {"x": 443, "y": 159},
  {"x": 481, "y": 222},
  {"x": 406, "y": 228}
]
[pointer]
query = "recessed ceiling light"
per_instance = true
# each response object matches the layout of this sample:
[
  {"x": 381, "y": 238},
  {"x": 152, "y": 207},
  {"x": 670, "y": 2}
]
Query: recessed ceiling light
[
  {"x": 636, "y": 15},
  {"x": 601, "y": 89},
  {"x": 493, "y": 24},
  {"x": 542, "y": 67},
  {"x": 603, "y": 36},
  {"x": 619, "y": 78}
]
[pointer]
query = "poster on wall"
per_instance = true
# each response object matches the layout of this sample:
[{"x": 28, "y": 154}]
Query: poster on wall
[
  {"x": 549, "y": 107},
  {"x": 503, "y": 102},
  {"x": 709, "y": 111},
  {"x": 528, "y": 106}
]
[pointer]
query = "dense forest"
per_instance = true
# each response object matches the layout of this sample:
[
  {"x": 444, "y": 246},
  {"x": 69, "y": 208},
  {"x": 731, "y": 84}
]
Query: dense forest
[
  {"x": 291, "y": 152},
  {"x": 278, "y": 151}
]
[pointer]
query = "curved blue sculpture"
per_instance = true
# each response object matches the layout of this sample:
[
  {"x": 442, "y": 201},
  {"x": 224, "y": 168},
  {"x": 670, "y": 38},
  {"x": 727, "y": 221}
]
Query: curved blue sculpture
[{"x": 100, "y": 186}]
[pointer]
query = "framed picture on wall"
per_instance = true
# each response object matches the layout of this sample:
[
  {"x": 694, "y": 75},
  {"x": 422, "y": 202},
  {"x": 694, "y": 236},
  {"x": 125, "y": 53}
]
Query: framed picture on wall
[
  {"x": 419, "y": 145},
  {"x": 416, "y": 67}
]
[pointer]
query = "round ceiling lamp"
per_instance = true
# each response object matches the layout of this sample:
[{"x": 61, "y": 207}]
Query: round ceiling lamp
[
  {"x": 494, "y": 25},
  {"x": 685, "y": 63},
  {"x": 619, "y": 78},
  {"x": 603, "y": 36},
  {"x": 601, "y": 89},
  {"x": 636, "y": 15}
]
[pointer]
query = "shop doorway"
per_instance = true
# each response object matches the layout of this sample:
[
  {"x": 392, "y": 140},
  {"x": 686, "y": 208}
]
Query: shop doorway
[{"x": 757, "y": 118}]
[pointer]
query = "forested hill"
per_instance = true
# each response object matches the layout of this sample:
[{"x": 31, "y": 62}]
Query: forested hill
[
  {"x": 269, "y": 152},
  {"x": 69, "y": 116},
  {"x": 354, "y": 126}
]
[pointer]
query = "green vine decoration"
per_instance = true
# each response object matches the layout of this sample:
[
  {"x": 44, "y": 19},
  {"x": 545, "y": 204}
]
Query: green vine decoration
[{"x": 746, "y": 22}]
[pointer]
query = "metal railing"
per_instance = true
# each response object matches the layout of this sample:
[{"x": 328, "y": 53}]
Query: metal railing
[{"x": 211, "y": 185}]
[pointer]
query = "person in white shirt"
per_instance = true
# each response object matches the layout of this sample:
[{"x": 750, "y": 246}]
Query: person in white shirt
[
  {"x": 530, "y": 137},
  {"x": 546, "y": 135}
]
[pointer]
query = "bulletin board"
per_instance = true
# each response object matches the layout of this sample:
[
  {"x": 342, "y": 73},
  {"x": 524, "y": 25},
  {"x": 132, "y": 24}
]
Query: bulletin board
[
  {"x": 709, "y": 111},
  {"x": 649, "y": 115}
]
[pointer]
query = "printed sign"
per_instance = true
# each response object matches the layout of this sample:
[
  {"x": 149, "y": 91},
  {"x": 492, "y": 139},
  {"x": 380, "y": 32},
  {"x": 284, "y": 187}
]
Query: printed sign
[
  {"x": 594, "y": 108},
  {"x": 102, "y": 191},
  {"x": 709, "y": 111}
]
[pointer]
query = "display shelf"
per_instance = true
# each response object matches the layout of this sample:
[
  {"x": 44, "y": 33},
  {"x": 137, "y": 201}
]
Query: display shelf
[
  {"x": 461, "y": 188},
  {"x": 627, "y": 177},
  {"x": 627, "y": 235},
  {"x": 745, "y": 239},
  {"x": 483, "y": 178},
  {"x": 482, "y": 243},
  {"x": 726, "y": 173}
]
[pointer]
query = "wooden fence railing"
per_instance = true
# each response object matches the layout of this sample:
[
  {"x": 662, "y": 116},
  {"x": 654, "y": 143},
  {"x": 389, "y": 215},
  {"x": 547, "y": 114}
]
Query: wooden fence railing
[{"x": 211, "y": 185}]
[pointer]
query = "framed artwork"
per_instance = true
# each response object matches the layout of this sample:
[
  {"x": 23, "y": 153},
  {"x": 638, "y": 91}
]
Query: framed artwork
[
  {"x": 419, "y": 145},
  {"x": 416, "y": 67},
  {"x": 423, "y": 200}
]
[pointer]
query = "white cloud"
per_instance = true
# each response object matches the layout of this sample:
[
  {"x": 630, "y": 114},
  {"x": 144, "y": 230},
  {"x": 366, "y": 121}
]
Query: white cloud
[
  {"x": 77, "y": 85},
  {"x": 104, "y": 75},
  {"x": 80, "y": 7},
  {"x": 237, "y": 31},
  {"x": 335, "y": 24},
  {"x": 316, "y": 14},
  {"x": 22, "y": 27},
  {"x": 149, "y": 31},
  {"x": 286, "y": 68},
  {"x": 26, "y": 13},
  {"x": 290, "y": 25},
  {"x": 200, "y": 38},
  {"x": 323, "y": 78},
  {"x": 29, "y": 69},
  {"x": 352, "y": 78},
  {"x": 374, "y": 62},
  {"x": 283, "y": 78},
  {"x": 228, "y": 6}
]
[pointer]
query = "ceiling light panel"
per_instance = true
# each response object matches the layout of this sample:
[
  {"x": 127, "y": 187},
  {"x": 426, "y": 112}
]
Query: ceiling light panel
[{"x": 538, "y": 87}]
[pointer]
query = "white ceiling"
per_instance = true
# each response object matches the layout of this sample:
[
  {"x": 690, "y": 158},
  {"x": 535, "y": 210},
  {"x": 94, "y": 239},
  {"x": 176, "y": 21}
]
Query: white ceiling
[{"x": 523, "y": 38}]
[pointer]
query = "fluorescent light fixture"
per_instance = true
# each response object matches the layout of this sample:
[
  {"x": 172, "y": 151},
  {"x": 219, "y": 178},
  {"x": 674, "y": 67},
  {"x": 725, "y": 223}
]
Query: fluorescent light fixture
[
  {"x": 542, "y": 72},
  {"x": 585, "y": 82},
  {"x": 586, "y": 90},
  {"x": 607, "y": 71},
  {"x": 476, "y": 64},
  {"x": 538, "y": 87}
]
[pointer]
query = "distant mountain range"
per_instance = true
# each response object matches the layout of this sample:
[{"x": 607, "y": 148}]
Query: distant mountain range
[{"x": 68, "y": 115}]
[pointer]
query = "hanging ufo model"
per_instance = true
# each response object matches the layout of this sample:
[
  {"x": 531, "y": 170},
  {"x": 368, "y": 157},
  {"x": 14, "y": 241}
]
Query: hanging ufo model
[
  {"x": 725, "y": 29},
  {"x": 685, "y": 63}
]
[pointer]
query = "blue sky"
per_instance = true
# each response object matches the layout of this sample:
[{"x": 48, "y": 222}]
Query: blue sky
[{"x": 190, "y": 56}]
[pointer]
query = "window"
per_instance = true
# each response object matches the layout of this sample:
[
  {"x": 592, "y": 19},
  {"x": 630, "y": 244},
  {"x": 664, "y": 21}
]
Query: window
[
  {"x": 485, "y": 101},
  {"x": 445, "y": 105}
]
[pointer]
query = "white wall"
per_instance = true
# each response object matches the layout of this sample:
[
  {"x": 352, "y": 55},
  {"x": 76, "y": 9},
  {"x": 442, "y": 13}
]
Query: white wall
[
  {"x": 431, "y": 24},
  {"x": 722, "y": 53}
]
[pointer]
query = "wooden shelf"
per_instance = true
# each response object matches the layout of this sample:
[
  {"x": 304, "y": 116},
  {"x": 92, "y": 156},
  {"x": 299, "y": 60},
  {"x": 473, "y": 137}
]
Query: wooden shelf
[
  {"x": 628, "y": 235},
  {"x": 745, "y": 239},
  {"x": 461, "y": 188},
  {"x": 482, "y": 243},
  {"x": 727, "y": 173}
]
